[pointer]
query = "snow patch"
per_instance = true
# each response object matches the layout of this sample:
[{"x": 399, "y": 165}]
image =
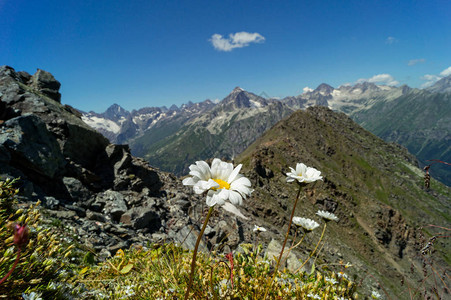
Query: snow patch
[
  {"x": 101, "y": 123},
  {"x": 255, "y": 103}
]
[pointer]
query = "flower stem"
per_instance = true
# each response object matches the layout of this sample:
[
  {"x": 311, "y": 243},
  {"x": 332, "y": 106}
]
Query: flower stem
[
  {"x": 193, "y": 261},
  {"x": 292, "y": 247},
  {"x": 14, "y": 266},
  {"x": 284, "y": 243},
  {"x": 313, "y": 252}
]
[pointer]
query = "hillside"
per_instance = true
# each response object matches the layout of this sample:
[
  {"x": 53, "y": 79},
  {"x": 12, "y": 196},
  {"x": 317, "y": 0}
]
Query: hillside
[
  {"x": 374, "y": 188},
  {"x": 420, "y": 121}
]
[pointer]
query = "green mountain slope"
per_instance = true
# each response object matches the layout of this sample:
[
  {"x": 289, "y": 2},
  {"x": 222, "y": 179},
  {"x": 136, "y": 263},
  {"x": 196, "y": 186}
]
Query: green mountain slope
[
  {"x": 373, "y": 187},
  {"x": 224, "y": 132},
  {"x": 420, "y": 121}
]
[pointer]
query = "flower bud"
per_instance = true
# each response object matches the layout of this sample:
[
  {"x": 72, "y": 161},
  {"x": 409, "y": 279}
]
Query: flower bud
[{"x": 20, "y": 235}]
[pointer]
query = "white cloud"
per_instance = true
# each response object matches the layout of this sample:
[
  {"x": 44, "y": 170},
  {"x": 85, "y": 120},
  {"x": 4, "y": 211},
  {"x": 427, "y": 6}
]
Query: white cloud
[
  {"x": 446, "y": 72},
  {"x": 390, "y": 40},
  {"x": 307, "y": 89},
  {"x": 384, "y": 79},
  {"x": 431, "y": 79},
  {"x": 413, "y": 62},
  {"x": 235, "y": 40}
]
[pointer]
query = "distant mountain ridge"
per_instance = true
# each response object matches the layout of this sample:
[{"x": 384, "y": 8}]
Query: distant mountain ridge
[
  {"x": 156, "y": 133},
  {"x": 146, "y": 118}
]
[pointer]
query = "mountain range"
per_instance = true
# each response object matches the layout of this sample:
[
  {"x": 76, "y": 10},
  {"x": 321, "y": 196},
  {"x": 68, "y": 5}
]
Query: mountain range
[
  {"x": 417, "y": 119},
  {"x": 107, "y": 199}
]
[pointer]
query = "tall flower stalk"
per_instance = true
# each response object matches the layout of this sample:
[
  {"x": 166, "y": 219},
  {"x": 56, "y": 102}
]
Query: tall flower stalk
[
  {"x": 222, "y": 183},
  {"x": 307, "y": 225},
  {"x": 302, "y": 175},
  {"x": 196, "y": 247},
  {"x": 314, "y": 250},
  {"x": 327, "y": 216},
  {"x": 20, "y": 240}
]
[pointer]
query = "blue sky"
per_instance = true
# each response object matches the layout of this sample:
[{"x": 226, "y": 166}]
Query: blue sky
[{"x": 154, "y": 53}]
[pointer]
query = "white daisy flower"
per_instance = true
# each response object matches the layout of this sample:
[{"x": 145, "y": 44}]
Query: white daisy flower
[
  {"x": 327, "y": 215},
  {"x": 259, "y": 229},
  {"x": 304, "y": 174},
  {"x": 221, "y": 181},
  {"x": 305, "y": 223},
  {"x": 331, "y": 280}
]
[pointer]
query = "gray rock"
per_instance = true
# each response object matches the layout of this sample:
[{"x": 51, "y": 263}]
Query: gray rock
[
  {"x": 115, "y": 247},
  {"x": 124, "y": 163},
  {"x": 51, "y": 202},
  {"x": 104, "y": 254},
  {"x": 63, "y": 214},
  {"x": 76, "y": 189},
  {"x": 44, "y": 82},
  {"x": 142, "y": 217},
  {"x": 80, "y": 211},
  {"x": 291, "y": 262},
  {"x": 95, "y": 216},
  {"x": 114, "y": 205},
  {"x": 32, "y": 145},
  {"x": 187, "y": 238}
]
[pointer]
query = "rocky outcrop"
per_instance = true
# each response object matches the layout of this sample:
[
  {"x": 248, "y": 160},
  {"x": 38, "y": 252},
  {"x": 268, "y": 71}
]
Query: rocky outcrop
[
  {"x": 44, "y": 82},
  {"x": 98, "y": 190}
]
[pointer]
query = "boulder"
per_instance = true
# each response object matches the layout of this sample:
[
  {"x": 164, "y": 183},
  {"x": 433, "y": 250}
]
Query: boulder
[
  {"x": 113, "y": 204},
  {"x": 32, "y": 146},
  {"x": 291, "y": 262},
  {"x": 142, "y": 217},
  {"x": 76, "y": 189},
  {"x": 44, "y": 82}
]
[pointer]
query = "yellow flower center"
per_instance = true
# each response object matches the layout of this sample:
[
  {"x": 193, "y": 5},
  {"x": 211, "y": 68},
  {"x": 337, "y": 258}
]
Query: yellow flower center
[{"x": 222, "y": 184}]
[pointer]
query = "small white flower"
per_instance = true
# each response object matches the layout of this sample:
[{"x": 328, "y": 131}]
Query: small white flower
[
  {"x": 305, "y": 223},
  {"x": 259, "y": 229},
  {"x": 327, "y": 215},
  {"x": 32, "y": 296},
  {"x": 375, "y": 295},
  {"x": 221, "y": 180},
  {"x": 342, "y": 274},
  {"x": 304, "y": 174},
  {"x": 128, "y": 291},
  {"x": 331, "y": 280},
  {"x": 314, "y": 296}
]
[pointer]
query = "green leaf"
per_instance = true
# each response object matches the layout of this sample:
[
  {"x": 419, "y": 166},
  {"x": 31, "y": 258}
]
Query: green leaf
[
  {"x": 126, "y": 269},
  {"x": 313, "y": 269}
]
